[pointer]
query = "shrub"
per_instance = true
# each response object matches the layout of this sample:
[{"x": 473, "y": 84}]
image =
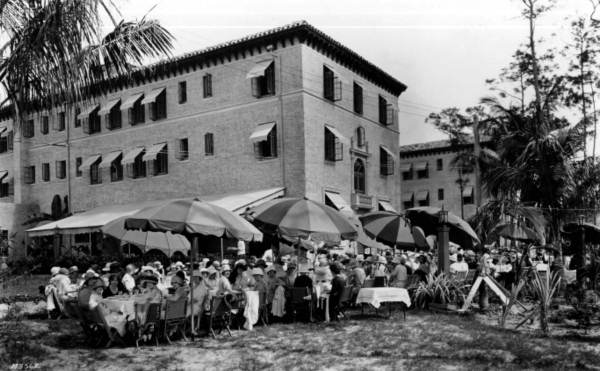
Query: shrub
[{"x": 439, "y": 289}]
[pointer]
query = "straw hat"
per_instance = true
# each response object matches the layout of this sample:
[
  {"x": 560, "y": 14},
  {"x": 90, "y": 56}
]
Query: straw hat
[
  {"x": 225, "y": 268},
  {"x": 64, "y": 271},
  {"x": 54, "y": 271},
  {"x": 176, "y": 279},
  {"x": 360, "y": 258},
  {"x": 211, "y": 270},
  {"x": 381, "y": 260},
  {"x": 73, "y": 269},
  {"x": 148, "y": 278},
  {"x": 257, "y": 272}
]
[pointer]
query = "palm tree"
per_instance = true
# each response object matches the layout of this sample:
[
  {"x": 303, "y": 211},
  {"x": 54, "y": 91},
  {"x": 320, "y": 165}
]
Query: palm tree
[{"x": 56, "y": 54}]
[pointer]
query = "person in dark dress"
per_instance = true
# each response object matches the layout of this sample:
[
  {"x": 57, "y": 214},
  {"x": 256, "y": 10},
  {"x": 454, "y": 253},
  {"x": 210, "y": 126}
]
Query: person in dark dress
[
  {"x": 115, "y": 287},
  {"x": 303, "y": 280},
  {"x": 337, "y": 287}
]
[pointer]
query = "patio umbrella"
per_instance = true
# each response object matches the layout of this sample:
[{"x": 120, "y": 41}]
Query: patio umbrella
[
  {"x": 592, "y": 232},
  {"x": 191, "y": 218},
  {"x": 388, "y": 227},
  {"x": 427, "y": 218},
  {"x": 168, "y": 243},
  {"x": 516, "y": 232},
  {"x": 301, "y": 217}
]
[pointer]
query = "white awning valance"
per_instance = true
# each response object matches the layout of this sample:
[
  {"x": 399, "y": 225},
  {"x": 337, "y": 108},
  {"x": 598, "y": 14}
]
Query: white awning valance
[
  {"x": 422, "y": 195},
  {"x": 389, "y": 152},
  {"x": 90, "y": 161},
  {"x": 467, "y": 191},
  {"x": 259, "y": 69},
  {"x": 87, "y": 111},
  {"x": 153, "y": 151},
  {"x": 130, "y": 156},
  {"x": 261, "y": 132},
  {"x": 338, "y": 135},
  {"x": 405, "y": 167},
  {"x": 129, "y": 102},
  {"x": 109, "y": 159},
  {"x": 105, "y": 110},
  {"x": 338, "y": 201},
  {"x": 3, "y": 129},
  {"x": 150, "y": 98},
  {"x": 407, "y": 197},
  {"x": 386, "y": 206},
  {"x": 3, "y": 174},
  {"x": 421, "y": 166}
]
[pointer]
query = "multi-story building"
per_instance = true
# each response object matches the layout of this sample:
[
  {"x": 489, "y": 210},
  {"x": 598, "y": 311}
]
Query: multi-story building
[
  {"x": 430, "y": 176},
  {"x": 288, "y": 108}
]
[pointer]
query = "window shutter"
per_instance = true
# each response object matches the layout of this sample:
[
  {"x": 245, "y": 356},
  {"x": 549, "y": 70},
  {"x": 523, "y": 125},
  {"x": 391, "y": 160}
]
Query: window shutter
[
  {"x": 337, "y": 86},
  {"x": 328, "y": 89},
  {"x": 11, "y": 187},
  {"x": 270, "y": 78},
  {"x": 152, "y": 108},
  {"x": 57, "y": 169},
  {"x": 255, "y": 87},
  {"x": 391, "y": 115},
  {"x": 339, "y": 150},
  {"x": 10, "y": 140}
]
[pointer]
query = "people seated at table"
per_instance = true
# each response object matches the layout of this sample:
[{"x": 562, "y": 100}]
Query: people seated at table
[
  {"x": 337, "y": 287},
  {"x": 97, "y": 288},
  {"x": 380, "y": 267},
  {"x": 424, "y": 269},
  {"x": 178, "y": 289},
  {"x": 224, "y": 286},
  {"x": 115, "y": 287},
  {"x": 149, "y": 292},
  {"x": 399, "y": 276},
  {"x": 244, "y": 279},
  {"x": 459, "y": 266},
  {"x": 128, "y": 279}
]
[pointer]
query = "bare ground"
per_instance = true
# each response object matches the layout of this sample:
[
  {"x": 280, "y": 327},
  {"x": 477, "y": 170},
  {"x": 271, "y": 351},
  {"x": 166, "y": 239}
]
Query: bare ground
[{"x": 424, "y": 341}]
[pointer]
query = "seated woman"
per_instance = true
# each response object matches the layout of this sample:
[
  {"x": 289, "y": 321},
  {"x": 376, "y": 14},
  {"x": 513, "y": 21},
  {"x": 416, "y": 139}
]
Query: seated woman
[
  {"x": 177, "y": 289},
  {"x": 224, "y": 286},
  {"x": 149, "y": 292},
  {"x": 96, "y": 294},
  {"x": 115, "y": 287}
]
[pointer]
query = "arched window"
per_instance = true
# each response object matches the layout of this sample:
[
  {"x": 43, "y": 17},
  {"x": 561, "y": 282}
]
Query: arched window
[
  {"x": 360, "y": 136},
  {"x": 359, "y": 176}
]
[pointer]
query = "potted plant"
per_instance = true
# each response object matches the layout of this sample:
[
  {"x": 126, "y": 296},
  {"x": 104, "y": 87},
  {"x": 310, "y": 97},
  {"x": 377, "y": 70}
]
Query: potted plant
[{"x": 439, "y": 293}]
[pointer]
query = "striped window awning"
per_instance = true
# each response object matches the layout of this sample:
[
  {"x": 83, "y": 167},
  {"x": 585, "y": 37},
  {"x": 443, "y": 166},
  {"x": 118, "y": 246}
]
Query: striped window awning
[
  {"x": 408, "y": 196},
  {"x": 151, "y": 98},
  {"x": 87, "y": 111},
  {"x": 90, "y": 161},
  {"x": 421, "y": 166},
  {"x": 338, "y": 201},
  {"x": 405, "y": 167},
  {"x": 129, "y": 102},
  {"x": 467, "y": 191},
  {"x": 130, "y": 156},
  {"x": 387, "y": 206},
  {"x": 109, "y": 159},
  {"x": 105, "y": 110},
  {"x": 153, "y": 152}
]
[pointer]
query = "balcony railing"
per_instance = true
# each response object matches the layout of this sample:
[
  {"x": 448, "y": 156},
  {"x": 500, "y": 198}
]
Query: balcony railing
[{"x": 362, "y": 201}]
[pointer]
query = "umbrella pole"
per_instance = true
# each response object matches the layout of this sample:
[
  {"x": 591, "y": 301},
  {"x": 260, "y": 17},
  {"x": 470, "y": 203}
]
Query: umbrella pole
[
  {"x": 222, "y": 254},
  {"x": 194, "y": 248}
]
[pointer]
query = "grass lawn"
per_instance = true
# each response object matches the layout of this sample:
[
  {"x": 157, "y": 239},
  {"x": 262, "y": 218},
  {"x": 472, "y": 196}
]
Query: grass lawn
[{"x": 425, "y": 341}]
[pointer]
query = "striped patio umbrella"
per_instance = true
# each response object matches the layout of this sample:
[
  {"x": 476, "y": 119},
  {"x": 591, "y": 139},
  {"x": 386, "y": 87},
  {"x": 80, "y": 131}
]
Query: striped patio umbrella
[
  {"x": 302, "y": 218},
  {"x": 389, "y": 228}
]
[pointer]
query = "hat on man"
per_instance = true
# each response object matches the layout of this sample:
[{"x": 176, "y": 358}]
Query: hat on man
[
  {"x": 148, "y": 277},
  {"x": 381, "y": 260},
  {"x": 54, "y": 271},
  {"x": 257, "y": 272},
  {"x": 97, "y": 284},
  {"x": 64, "y": 271},
  {"x": 225, "y": 261},
  {"x": 73, "y": 269},
  {"x": 211, "y": 270},
  {"x": 225, "y": 268},
  {"x": 107, "y": 267}
]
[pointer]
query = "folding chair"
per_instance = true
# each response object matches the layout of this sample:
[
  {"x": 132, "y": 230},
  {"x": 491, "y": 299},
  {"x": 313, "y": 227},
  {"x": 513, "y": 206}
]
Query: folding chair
[
  {"x": 298, "y": 298},
  {"x": 151, "y": 325},
  {"x": 175, "y": 318},
  {"x": 345, "y": 300},
  {"x": 220, "y": 316}
]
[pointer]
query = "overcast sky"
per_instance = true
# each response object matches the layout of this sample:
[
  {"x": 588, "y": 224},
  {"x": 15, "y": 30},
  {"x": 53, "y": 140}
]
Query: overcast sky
[{"x": 442, "y": 50}]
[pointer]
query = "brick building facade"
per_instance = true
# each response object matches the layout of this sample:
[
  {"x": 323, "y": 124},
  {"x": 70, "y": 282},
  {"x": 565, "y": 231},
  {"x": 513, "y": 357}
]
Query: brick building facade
[
  {"x": 289, "y": 107},
  {"x": 429, "y": 177}
]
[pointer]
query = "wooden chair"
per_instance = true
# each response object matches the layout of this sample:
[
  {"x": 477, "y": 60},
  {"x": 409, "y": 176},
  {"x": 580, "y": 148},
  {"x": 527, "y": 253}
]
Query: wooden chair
[
  {"x": 220, "y": 315},
  {"x": 150, "y": 327},
  {"x": 298, "y": 298},
  {"x": 461, "y": 276},
  {"x": 175, "y": 319},
  {"x": 345, "y": 300},
  {"x": 380, "y": 281}
]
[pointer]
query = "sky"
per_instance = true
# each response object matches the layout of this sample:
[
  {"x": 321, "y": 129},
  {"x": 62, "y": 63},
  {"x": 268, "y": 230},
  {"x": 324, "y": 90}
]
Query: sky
[{"x": 443, "y": 50}]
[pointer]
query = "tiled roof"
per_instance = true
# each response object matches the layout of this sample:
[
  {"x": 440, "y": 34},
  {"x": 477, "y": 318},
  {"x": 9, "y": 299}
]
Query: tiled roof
[{"x": 436, "y": 144}]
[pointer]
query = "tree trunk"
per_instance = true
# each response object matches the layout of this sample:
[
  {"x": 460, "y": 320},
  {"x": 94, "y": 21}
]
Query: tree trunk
[
  {"x": 531, "y": 15},
  {"x": 583, "y": 105},
  {"x": 595, "y": 128}
]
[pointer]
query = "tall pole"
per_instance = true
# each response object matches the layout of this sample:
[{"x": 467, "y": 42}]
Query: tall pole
[
  {"x": 477, "y": 153},
  {"x": 443, "y": 242},
  {"x": 194, "y": 249}
]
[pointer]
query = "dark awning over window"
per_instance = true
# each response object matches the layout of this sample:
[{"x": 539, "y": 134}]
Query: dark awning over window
[
  {"x": 338, "y": 201},
  {"x": 387, "y": 206}
]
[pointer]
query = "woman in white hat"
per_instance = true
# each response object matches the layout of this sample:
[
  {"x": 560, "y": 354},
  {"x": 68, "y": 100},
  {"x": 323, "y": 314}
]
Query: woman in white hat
[{"x": 224, "y": 286}]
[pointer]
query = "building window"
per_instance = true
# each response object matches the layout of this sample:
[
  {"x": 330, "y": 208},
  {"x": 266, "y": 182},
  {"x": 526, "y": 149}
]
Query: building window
[
  {"x": 92, "y": 123},
  {"x": 29, "y": 175},
  {"x": 182, "y": 92},
  {"x": 137, "y": 114},
  {"x": 207, "y": 85},
  {"x": 138, "y": 168},
  {"x": 209, "y": 144},
  {"x": 116, "y": 169},
  {"x": 333, "y": 146},
  {"x": 265, "y": 84},
  {"x": 407, "y": 175},
  {"x": 161, "y": 164},
  {"x": 77, "y": 121},
  {"x": 78, "y": 162},
  {"x": 44, "y": 127},
  {"x": 46, "y": 172},
  {"x": 423, "y": 171},
  {"x": 408, "y": 204},
  {"x": 3, "y": 144},
  {"x": 61, "y": 122},
  {"x": 114, "y": 117},
  {"x": 28, "y": 129},
  {"x": 4, "y": 192},
  {"x": 386, "y": 162},
  {"x": 439, "y": 164},
  {"x": 61, "y": 169},
  {"x": 9, "y": 141},
  {"x": 441, "y": 194},
  {"x": 267, "y": 148},
  {"x": 383, "y": 110},
  {"x": 467, "y": 196},
  {"x": 424, "y": 202},
  {"x": 332, "y": 85},
  {"x": 95, "y": 173},
  {"x": 423, "y": 198},
  {"x": 183, "y": 153},
  {"x": 359, "y": 176},
  {"x": 358, "y": 99},
  {"x": 360, "y": 136},
  {"x": 158, "y": 108}
]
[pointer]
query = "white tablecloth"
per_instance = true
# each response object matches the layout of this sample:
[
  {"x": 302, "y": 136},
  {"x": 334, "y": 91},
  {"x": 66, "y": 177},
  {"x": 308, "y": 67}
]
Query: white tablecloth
[
  {"x": 117, "y": 311},
  {"x": 377, "y": 295}
]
